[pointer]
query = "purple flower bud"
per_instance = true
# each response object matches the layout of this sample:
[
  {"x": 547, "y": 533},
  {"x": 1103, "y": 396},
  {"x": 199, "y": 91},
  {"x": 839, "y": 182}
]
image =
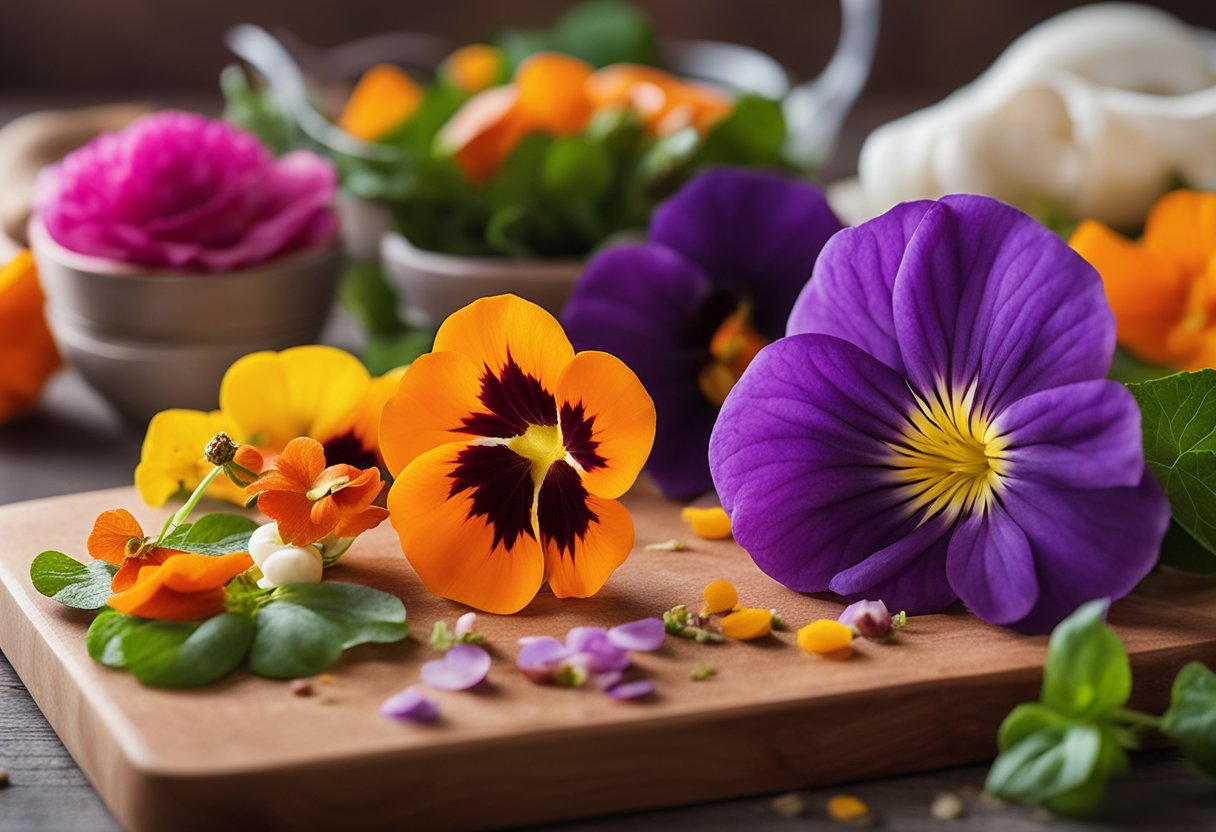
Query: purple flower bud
[{"x": 868, "y": 619}]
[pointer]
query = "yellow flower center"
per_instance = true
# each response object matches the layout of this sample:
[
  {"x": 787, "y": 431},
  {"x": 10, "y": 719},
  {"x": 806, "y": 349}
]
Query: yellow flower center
[
  {"x": 542, "y": 446},
  {"x": 733, "y": 347},
  {"x": 951, "y": 457}
]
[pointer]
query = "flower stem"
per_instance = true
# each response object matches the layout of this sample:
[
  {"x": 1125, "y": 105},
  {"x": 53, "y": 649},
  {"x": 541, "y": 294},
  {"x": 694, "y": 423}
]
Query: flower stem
[
  {"x": 182, "y": 513},
  {"x": 1135, "y": 718}
]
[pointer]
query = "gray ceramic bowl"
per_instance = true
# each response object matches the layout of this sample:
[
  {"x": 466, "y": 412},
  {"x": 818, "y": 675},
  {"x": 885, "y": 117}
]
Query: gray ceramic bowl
[{"x": 150, "y": 340}]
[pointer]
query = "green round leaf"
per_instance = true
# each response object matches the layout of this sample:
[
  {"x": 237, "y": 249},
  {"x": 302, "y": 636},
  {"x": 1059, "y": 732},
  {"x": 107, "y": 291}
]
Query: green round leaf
[
  {"x": 1046, "y": 764},
  {"x": 577, "y": 168},
  {"x": 83, "y": 586},
  {"x": 1191, "y": 719},
  {"x": 174, "y": 654},
  {"x": 104, "y": 639},
  {"x": 1087, "y": 672},
  {"x": 213, "y": 534},
  {"x": 1025, "y": 720}
]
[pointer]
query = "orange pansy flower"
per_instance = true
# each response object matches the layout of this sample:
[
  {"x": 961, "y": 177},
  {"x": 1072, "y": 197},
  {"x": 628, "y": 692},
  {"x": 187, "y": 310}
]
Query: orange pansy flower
[
  {"x": 1162, "y": 288},
  {"x": 184, "y": 588},
  {"x": 118, "y": 538},
  {"x": 510, "y": 451},
  {"x": 27, "y": 352},
  {"x": 310, "y": 501}
]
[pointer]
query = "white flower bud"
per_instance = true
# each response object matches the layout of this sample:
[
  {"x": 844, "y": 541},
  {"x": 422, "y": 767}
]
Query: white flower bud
[
  {"x": 292, "y": 565},
  {"x": 264, "y": 542}
]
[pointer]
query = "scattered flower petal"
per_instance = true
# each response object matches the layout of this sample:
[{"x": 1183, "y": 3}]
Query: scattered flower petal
[
  {"x": 868, "y": 619},
  {"x": 463, "y": 667},
  {"x": 846, "y": 807},
  {"x": 641, "y": 636},
  {"x": 748, "y": 624},
  {"x": 720, "y": 596},
  {"x": 673, "y": 545},
  {"x": 707, "y": 523},
  {"x": 631, "y": 690},
  {"x": 826, "y": 638},
  {"x": 410, "y": 706}
]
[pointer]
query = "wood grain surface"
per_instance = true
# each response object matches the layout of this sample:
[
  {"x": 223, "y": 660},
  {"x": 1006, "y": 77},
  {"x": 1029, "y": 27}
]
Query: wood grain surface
[{"x": 775, "y": 717}]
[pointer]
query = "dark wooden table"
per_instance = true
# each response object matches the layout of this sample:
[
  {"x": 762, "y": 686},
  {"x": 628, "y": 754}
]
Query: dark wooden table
[{"x": 73, "y": 443}]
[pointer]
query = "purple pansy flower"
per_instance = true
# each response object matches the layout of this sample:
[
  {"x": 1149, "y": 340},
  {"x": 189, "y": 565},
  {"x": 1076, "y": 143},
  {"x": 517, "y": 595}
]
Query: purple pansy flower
[
  {"x": 687, "y": 310},
  {"x": 178, "y": 190},
  {"x": 938, "y": 425}
]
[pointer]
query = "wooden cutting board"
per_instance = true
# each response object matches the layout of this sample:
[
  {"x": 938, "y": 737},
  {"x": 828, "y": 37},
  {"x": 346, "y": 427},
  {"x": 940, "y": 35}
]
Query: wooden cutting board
[{"x": 773, "y": 718}]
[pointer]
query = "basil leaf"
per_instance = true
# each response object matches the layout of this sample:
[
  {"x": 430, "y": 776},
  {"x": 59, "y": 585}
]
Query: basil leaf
[
  {"x": 304, "y": 628},
  {"x": 82, "y": 586},
  {"x": 753, "y": 134},
  {"x": 1046, "y": 764},
  {"x": 1024, "y": 720},
  {"x": 213, "y": 534},
  {"x": 576, "y": 167},
  {"x": 1178, "y": 419},
  {"x": 1087, "y": 672},
  {"x": 1191, "y": 719},
  {"x": 186, "y": 654},
  {"x": 104, "y": 639},
  {"x": 1085, "y": 799}
]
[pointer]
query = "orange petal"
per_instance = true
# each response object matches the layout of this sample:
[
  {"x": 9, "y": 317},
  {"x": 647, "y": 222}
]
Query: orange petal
[
  {"x": 293, "y": 512},
  {"x": 553, "y": 93},
  {"x": 354, "y": 524},
  {"x": 1182, "y": 228},
  {"x": 614, "y": 87},
  {"x": 367, "y": 426},
  {"x": 607, "y": 420},
  {"x": 29, "y": 353},
  {"x": 195, "y": 573},
  {"x": 454, "y": 550},
  {"x": 128, "y": 574},
  {"x": 185, "y": 588},
  {"x": 250, "y": 458},
  {"x": 474, "y": 67},
  {"x": 427, "y": 410},
  {"x": 384, "y": 98},
  {"x": 112, "y": 532},
  {"x": 296, "y": 469},
  {"x": 1147, "y": 292},
  {"x": 607, "y": 543},
  {"x": 490, "y": 329},
  {"x": 484, "y": 131}
]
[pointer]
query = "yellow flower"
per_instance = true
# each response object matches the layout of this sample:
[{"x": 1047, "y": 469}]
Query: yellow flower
[
  {"x": 266, "y": 400},
  {"x": 27, "y": 352}
]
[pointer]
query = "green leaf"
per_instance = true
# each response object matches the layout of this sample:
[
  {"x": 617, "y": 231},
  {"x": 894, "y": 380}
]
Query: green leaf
[
  {"x": 104, "y": 638},
  {"x": 1086, "y": 798},
  {"x": 366, "y": 292},
  {"x": 1047, "y": 764},
  {"x": 1087, "y": 672},
  {"x": 387, "y": 352},
  {"x": 753, "y": 134},
  {"x": 1024, "y": 720},
  {"x": 213, "y": 534},
  {"x": 604, "y": 32},
  {"x": 305, "y": 627},
  {"x": 181, "y": 654},
  {"x": 1128, "y": 369},
  {"x": 1178, "y": 418},
  {"x": 576, "y": 167},
  {"x": 83, "y": 586},
  {"x": 1191, "y": 719}
]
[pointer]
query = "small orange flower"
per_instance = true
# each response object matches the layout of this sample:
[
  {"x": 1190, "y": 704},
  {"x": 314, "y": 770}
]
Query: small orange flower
[
  {"x": 310, "y": 501},
  {"x": 510, "y": 452},
  {"x": 118, "y": 538},
  {"x": 384, "y": 98},
  {"x": 473, "y": 68},
  {"x": 184, "y": 588},
  {"x": 27, "y": 352},
  {"x": 1163, "y": 288}
]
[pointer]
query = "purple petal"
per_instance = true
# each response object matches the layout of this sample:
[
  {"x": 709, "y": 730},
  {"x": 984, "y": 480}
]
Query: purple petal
[
  {"x": 911, "y": 572},
  {"x": 648, "y": 305},
  {"x": 754, "y": 233},
  {"x": 410, "y": 706},
  {"x": 540, "y": 657},
  {"x": 854, "y": 281},
  {"x": 1085, "y": 435},
  {"x": 579, "y": 639},
  {"x": 641, "y": 636},
  {"x": 607, "y": 679},
  {"x": 988, "y": 296},
  {"x": 631, "y": 690},
  {"x": 462, "y": 667},
  {"x": 799, "y": 459},
  {"x": 991, "y": 568},
  {"x": 863, "y": 606},
  {"x": 1086, "y": 544}
]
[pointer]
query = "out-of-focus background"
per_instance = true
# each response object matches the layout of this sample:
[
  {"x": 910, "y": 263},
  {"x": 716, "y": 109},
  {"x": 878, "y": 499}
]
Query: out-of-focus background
[{"x": 64, "y": 52}]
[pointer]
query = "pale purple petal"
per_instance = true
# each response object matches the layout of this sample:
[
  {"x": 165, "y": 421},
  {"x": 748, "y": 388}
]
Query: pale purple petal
[
  {"x": 410, "y": 706},
  {"x": 854, "y": 281},
  {"x": 991, "y": 568},
  {"x": 579, "y": 639},
  {"x": 607, "y": 679},
  {"x": 462, "y": 667},
  {"x": 540, "y": 656},
  {"x": 631, "y": 690},
  {"x": 639, "y": 636},
  {"x": 988, "y": 296},
  {"x": 1085, "y": 435}
]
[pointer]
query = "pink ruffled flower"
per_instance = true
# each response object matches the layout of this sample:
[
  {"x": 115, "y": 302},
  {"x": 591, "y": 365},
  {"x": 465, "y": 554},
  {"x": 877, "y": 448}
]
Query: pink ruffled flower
[{"x": 178, "y": 190}]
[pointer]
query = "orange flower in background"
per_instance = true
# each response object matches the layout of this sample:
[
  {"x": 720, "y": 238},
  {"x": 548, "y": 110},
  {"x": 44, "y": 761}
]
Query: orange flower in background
[
  {"x": 310, "y": 501},
  {"x": 27, "y": 352},
  {"x": 118, "y": 538},
  {"x": 558, "y": 94},
  {"x": 473, "y": 68},
  {"x": 384, "y": 98},
  {"x": 509, "y": 452},
  {"x": 1162, "y": 288},
  {"x": 184, "y": 588}
]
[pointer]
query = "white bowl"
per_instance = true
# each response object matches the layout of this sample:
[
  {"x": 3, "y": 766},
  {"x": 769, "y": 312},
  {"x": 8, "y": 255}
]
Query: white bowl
[
  {"x": 151, "y": 339},
  {"x": 434, "y": 285}
]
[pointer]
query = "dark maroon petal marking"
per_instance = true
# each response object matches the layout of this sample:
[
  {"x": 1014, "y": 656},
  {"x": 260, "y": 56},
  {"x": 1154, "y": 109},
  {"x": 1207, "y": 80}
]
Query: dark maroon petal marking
[
  {"x": 501, "y": 482},
  {"x": 514, "y": 399},
  {"x": 562, "y": 510},
  {"x": 577, "y": 430},
  {"x": 347, "y": 449}
]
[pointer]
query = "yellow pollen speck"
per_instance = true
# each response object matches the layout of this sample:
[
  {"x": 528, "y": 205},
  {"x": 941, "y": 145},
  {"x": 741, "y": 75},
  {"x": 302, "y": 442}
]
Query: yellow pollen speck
[
  {"x": 542, "y": 446},
  {"x": 846, "y": 807},
  {"x": 951, "y": 458}
]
